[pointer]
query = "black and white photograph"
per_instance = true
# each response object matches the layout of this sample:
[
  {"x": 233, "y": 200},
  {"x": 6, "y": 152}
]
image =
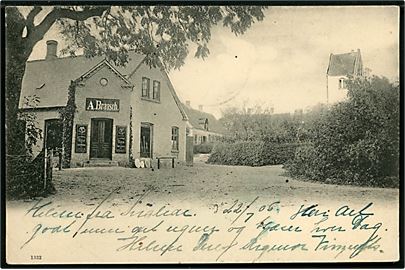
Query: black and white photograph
[{"x": 201, "y": 134}]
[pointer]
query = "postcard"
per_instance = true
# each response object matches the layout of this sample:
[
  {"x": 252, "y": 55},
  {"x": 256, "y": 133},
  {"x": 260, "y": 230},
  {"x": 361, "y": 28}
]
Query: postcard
[{"x": 202, "y": 134}]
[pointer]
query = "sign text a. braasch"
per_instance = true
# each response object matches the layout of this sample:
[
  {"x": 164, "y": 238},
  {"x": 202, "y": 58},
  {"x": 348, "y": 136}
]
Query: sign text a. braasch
[{"x": 102, "y": 104}]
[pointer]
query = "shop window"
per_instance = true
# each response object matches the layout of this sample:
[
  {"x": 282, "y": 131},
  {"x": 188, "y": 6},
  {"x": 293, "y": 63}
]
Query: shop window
[
  {"x": 156, "y": 90},
  {"x": 145, "y": 87},
  {"x": 175, "y": 138}
]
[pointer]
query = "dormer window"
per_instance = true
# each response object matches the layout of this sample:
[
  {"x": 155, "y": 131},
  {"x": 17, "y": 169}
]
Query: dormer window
[
  {"x": 342, "y": 83},
  {"x": 206, "y": 125}
]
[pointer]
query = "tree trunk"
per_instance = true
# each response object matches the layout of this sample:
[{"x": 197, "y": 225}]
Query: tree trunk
[
  {"x": 15, "y": 68},
  {"x": 17, "y": 53}
]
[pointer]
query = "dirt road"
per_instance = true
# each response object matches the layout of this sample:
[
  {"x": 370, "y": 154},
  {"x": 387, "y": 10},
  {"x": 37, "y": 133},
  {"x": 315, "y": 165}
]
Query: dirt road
[
  {"x": 204, "y": 183},
  {"x": 222, "y": 198}
]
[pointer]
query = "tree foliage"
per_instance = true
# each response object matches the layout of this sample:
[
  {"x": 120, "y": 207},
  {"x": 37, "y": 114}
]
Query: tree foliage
[
  {"x": 259, "y": 124},
  {"x": 162, "y": 33}
]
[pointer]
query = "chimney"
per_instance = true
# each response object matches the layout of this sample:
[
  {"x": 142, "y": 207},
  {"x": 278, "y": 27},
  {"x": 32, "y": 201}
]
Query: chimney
[
  {"x": 200, "y": 107},
  {"x": 188, "y": 103},
  {"x": 51, "y": 49}
]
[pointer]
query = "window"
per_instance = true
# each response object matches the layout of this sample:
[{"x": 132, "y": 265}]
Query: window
[
  {"x": 156, "y": 90},
  {"x": 342, "y": 83},
  {"x": 145, "y": 87},
  {"x": 195, "y": 139},
  {"x": 175, "y": 138}
]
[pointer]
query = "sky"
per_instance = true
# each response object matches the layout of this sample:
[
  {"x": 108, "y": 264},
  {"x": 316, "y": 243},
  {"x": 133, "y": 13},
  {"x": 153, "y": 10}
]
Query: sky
[{"x": 281, "y": 61}]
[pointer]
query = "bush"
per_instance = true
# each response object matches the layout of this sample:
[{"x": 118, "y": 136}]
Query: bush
[
  {"x": 357, "y": 141},
  {"x": 204, "y": 148},
  {"x": 25, "y": 178},
  {"x": 252, "y": 153},
  {"x": 305, "y": 163}
]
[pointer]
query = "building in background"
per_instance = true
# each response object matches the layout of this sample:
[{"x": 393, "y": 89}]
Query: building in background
[
  {"x": 112, "y": 114},
  {"x": 340, "y": 67},
  {"x": 204, "y": 127}
]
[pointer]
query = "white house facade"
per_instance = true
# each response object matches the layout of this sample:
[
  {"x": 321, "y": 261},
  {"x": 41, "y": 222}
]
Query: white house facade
[{"x": 340, "y": 67}]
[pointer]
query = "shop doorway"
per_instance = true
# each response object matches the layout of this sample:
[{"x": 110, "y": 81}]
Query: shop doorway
[
  {"x": 146, "y": 140},
  {"x": 101, "y": 138}
]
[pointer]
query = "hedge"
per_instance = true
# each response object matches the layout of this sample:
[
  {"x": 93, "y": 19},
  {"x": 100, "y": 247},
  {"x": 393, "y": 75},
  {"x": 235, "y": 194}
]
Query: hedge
[
  {"x": 310, "y": 164},
  {"x": 204, "y": 148},
  {"x": 252, "y": 153}
]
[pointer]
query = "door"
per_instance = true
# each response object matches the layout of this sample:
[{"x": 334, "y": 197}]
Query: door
[
  {"x": 146, "y": 140},
  {"x": 101, "y": 138}
]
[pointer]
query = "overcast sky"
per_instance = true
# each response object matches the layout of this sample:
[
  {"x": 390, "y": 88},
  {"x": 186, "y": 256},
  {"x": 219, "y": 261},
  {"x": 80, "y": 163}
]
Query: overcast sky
[{"x": 281, "y": 62}]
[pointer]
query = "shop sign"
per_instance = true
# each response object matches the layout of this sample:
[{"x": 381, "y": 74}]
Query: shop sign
[
  {"x": 120, "y": 139},
  {"x": 102, "y": 104},
  {"x": 81, "y": 139}
]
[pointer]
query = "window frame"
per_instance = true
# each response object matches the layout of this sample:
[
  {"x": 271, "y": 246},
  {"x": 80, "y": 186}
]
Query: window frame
[
  {"x": 342, "y": 83},
  {"x": 147, "y": 89},
  {"x": 175, "y": 138},
  {"x": 156, "y": 83}
]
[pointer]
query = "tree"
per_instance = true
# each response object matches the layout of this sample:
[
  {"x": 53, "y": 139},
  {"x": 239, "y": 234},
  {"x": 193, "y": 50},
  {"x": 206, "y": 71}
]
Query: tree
[
  {"x": 162, "y": 33},
  {"x": 259, "y": 124}
]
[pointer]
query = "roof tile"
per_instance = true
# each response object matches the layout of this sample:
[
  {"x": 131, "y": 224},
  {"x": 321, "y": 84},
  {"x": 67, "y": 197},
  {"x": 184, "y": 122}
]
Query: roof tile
[{"x": 342, "y": 64}]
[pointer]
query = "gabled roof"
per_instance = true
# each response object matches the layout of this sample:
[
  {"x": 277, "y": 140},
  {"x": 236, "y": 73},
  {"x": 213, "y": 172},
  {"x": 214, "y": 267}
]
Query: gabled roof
[
  {"x": 174, "y": 94},
  {"x": 197, "y": 119},
  {"x": 345, "y": 64},
  {"x": 100, "y": 65},
  {"x": 49, "y": 79}
]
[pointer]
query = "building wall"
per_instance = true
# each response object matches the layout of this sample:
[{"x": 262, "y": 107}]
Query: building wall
[
  {"x": 335, "y": 94},
  {"x": 92, "y": 88},
  {"x": 163, "y": 115}
]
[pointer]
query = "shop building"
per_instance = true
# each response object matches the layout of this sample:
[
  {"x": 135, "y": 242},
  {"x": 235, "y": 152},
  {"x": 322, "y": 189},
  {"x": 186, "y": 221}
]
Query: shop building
[{"x": 96, "y": 112}]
